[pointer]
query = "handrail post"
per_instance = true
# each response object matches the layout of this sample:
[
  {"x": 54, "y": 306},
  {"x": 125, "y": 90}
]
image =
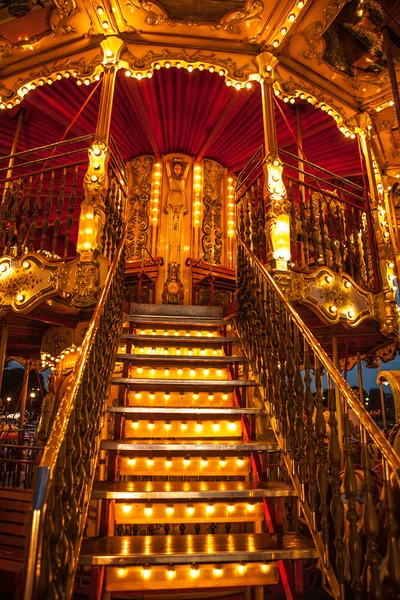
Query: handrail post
[
  {"x": 277, "y": 220},
  {"x": 92, "y": 218},
  {"x": 338, "y": 399}
]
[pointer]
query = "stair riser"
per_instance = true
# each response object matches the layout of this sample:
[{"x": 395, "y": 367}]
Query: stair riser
[
  {"x": 186, "y": 429},
  {"x": 191, "y": 399},
  {"x": 192, "y": 512},
  {"x": 183, "y": 577},
  {"x": 179, "y": 466}
]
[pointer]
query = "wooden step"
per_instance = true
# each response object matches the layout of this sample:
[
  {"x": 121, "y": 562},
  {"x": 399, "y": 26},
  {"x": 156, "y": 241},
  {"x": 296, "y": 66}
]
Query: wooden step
[
  {"x": 173, "y": 412},
  {"x": 172, "y": 361},
  {"x": 182, "y": 385},
  {"x": 189, "y": 490},
  {"x": 189, "y": 447},
  {"x": 192, "y": 341},
  {"x": 175, "y": 322},
  {"x": 191, "y": 399},
  {"x": 199, "y": 549},
  {"x": 184, "y": 466}
]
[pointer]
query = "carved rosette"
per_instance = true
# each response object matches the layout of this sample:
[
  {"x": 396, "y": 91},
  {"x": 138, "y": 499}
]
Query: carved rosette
[
  {"x": 139, "y": 175},
  {"x": 212, "y": 200}
]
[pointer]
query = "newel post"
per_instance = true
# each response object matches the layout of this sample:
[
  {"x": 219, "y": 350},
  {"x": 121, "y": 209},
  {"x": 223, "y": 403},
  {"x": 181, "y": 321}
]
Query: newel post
[
  {"x": 277, "y": 221},
  {"x": 92, "y": 267}
]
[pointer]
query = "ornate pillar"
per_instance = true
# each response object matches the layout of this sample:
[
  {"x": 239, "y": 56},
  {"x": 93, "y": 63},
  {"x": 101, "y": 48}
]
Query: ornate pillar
[
  {"x": 379, "y": 213},
  {"x": 89, "y": 274},
  {"x": 277, "y": 222}
]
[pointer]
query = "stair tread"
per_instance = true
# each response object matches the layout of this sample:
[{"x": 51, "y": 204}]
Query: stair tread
[
  {"x": 177, "y": 321},
  {"x": 188, "y": 446},
  {"x": 178, "y": 340},
  {"x": 154, "y": 384},
  {"x": 140, "y": 550},
  {"x": 168, "y": 490},
  {"x": 151, "y": 411},
  {"x": 173, "y": 360}
]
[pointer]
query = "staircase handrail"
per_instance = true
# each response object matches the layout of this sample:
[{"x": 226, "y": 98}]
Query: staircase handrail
[
  {"x": 351, "y": 398},
  {"x": 65, "y": 450}
]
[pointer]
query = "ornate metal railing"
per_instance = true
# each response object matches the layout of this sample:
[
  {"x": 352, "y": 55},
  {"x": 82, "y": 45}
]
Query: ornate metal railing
[
  {"x": 41, "y": 195},
  {"x": 351, "y": 516},
  {"x": 330, "y": 223},
  {"x": 67, "y": 468}
]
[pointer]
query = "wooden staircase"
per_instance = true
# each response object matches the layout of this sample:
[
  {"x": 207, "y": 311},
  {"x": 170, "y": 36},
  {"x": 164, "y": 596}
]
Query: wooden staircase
[{"x": 190, "y": 488}]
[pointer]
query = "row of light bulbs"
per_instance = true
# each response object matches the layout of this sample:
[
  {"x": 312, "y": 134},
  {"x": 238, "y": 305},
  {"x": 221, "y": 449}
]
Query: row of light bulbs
[
  {"x": 179, "y": 333},
  {"x": 187, "y": 461},
  {"x": 291, "y": 18},
  {"x": 167, "y": 396},
  {"x": 156, "y": 192},
  {"x": 48, "y": 360},
  {"x": 232, "y": 426},
  {"x": 192, "y": 372},
  {"x": 197, "y": 187},
  {"x": 324, "y": 107},
  {"x": 190, "y": 509},
  {"x": 194, "y": 570},
  {"x": 178, "y": 351},
  {"x": 231, "y": 207}
]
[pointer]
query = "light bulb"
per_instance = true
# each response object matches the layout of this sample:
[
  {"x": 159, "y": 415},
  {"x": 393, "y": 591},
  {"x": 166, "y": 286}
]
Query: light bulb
[
  {"x": 241, "y": 569},
  {"x": 148, "y": 511},
  {"x": 190, "y": 509},
  {"x": 150, "y": 425},
  {"x": 240, "y": 462},
  {"x": 146, "y": 572},
  {"x": 135, "y": 425},
  {"x": 171, "y": 573},
  {"x": 167, "y": 426},
  {"x": 184, "y": 426},
  {"x": 222, "y": 462},
  {"x": 126, "y": 509},
  {"x": 230, "y": 508},
  {"x": 206, "y": 372},
  {"x": 199, "y": 427},
  {"x": 195, "y": 396},
  {"x": 150, "y": 462},
  {"x": 232, "y": 426},
  {"x": 210, "y": 508},
  {"x": 216, "y": 427},
  {"x": 192, "y": 372},
  {"x": 217, "y": 571},
  {"x": 169, "y": 510},
  {"x": 194, "y": 572}
]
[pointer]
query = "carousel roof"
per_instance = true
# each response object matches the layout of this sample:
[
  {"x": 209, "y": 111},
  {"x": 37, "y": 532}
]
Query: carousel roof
[{"x": 177, "y": 111}]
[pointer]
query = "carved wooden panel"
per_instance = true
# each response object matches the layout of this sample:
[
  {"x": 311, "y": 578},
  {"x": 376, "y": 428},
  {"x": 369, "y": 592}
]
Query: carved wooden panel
[
  {"x": 139, "y": 174},
  {"x": 212, "y": 200}
]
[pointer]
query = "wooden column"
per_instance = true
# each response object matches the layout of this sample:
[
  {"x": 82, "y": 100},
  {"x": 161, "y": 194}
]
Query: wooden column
[{"x": 14, "y": 147}]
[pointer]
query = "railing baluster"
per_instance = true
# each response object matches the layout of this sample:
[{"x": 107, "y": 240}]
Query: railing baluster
[
  {"x": 48, "y": 205},
  {"x": 57, "y": 221},
  {"x": 70, "y": 217},
  {"x": 299, "y": 422},
  {"x": 35, "y": 215},
  {"x": 322, "y": 470},
  {"x": 308, "y": 404},
  {"x": 24, "y": 217}
]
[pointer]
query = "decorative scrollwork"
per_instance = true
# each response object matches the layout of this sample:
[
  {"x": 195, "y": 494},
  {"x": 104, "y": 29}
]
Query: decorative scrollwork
[
  {"x": 211, "y": 226},
  {"x": 313, "y": 33},
  {"x": 140, "y": 170},
  {"x": 63, "y": 9},
  {"x": 252, "y": 10}
]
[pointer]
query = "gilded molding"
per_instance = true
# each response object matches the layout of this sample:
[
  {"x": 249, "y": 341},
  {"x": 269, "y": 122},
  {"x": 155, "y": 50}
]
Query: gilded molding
[
  {"x": 195, "y": 59},
  {"x": 84, "y": 71}
]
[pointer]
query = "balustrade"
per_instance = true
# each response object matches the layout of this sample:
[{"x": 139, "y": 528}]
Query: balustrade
[
  {"x": 66, "y": 470},
  {"x": 41, "y": 198},
  {"x": 329, "y": 219},
  {"x": 349, "y": 507}
]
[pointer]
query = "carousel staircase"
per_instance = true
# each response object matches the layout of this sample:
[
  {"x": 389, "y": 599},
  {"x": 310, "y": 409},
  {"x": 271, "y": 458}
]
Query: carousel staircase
[{"x": 191, "y": 494}]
